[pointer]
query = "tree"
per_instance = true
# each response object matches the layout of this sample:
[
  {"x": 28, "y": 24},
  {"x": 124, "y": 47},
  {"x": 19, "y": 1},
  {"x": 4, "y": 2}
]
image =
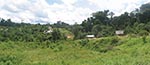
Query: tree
[
  {"x": 101, "y": 16},
  {"x": 87, "y": 24},
  {"x": 106, "y": 31},
  {"x": 111, "y": 15},
  {"x": 145, "y": 16},
  {"x": 56, "y": 35},
  {"x": 121, "y": 21},
  {"x": 147, "y": 27},
  {"x": 145, "y": 7},
  {"x": 77, "y": 30},
  {"x": 96, "y": 29}
]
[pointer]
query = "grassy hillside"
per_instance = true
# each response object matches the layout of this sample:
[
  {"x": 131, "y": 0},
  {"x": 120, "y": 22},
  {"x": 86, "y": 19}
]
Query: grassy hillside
[{"x": 103, "y": 51}]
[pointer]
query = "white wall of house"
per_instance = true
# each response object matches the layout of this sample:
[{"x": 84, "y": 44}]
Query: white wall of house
[
  {"x": 119, "y": 32},
  {"x": 90, "y": 36}
]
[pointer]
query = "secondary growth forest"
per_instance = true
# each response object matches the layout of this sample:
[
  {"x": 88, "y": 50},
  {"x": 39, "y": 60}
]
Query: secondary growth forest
[
  {"x": 49, "y": 44},
  {"x": 101, "y": 24}
]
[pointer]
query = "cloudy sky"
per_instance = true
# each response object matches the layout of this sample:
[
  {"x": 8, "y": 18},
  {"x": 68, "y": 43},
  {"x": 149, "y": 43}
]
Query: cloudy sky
[{"x": 69, "y": 11}]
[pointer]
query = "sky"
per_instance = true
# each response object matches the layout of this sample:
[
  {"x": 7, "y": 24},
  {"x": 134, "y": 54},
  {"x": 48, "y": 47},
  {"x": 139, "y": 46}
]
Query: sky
[{"x": 68, "y": 11}]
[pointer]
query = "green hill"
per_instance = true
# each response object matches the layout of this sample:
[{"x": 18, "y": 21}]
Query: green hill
[{"x": 102, "y": 51}]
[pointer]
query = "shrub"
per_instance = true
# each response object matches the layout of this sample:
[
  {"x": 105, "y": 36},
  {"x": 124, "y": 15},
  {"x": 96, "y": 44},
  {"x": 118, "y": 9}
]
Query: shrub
[
  {"x": 132, "y": 35},
  {"x": 104, "y": 41},
  {"x": 144, "y": 39},
  {"x": 114, "y": 40},
  {"x": 143, "y": 33},
  {"x": 10, "y": 59},
  {"x": 84, "y": 42}
]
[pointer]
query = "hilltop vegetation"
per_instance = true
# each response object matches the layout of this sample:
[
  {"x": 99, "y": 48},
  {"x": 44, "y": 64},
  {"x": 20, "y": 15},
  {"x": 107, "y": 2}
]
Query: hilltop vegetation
[{"x": 101, "y": 24}]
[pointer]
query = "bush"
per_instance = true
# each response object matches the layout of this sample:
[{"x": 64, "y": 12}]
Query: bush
[
  {"x": 57, "y": 35},
  {"x": 132, "y": 35},
  {"x": 84, "y": 42},
  {"x": 10, "y": 59},
  {"x": 114, "y": 40},
  {"x": 144, "y": 39},
  {"x": 143, "y": 33}
]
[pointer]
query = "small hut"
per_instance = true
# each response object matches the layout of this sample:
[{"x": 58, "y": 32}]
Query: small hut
[
  {"x": 119, "y": 32},
  {"x": 50, "y": 29},
  {"x": 90, "y": 36}
]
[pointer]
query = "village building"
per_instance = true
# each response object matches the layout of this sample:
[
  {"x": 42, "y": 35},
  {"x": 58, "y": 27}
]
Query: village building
[
  {"x": 50, "y": 29},
  {"x": 119, "y": 32},
  {"x": 90, "y": 36}
]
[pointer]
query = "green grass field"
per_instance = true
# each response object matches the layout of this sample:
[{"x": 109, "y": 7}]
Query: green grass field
[{"x": 103, "y": 51}]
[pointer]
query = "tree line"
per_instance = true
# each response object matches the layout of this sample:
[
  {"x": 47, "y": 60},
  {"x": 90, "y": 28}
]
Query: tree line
[
  {"x": 104, "y": 23},
  {"x": 26, "y": 32},
  {"x": 101, "y": 24}
]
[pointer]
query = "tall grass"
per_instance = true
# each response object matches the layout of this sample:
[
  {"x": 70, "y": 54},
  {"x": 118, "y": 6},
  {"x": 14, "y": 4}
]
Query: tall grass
[{"x": 103, "y": 51}]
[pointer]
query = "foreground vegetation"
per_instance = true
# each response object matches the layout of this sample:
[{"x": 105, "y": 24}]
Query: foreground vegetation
[{"x": 104, "y": 51}]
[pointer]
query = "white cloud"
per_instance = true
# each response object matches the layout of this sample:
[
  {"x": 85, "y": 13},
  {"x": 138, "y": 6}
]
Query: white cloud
[
  {"x": 69, "y": 2},
  {"x": 70, "y": 11},
  {"x": 118, "y": 6}
]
